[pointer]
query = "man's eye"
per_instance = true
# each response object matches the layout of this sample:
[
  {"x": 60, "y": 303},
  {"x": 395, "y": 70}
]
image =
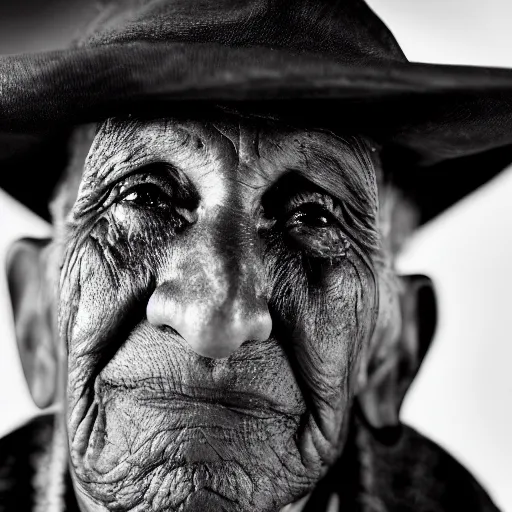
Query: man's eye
[
  {"x": 145, "y": 195},
  {"x": 315, "y": 231},
  {"x": 311, "y": 215}
]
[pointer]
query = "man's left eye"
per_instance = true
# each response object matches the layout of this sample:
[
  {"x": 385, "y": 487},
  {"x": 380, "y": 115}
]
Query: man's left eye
[
  {"x": 315, "y": 231},
  {"x": 311, "y": 215},
  {"x": 145, "y": 195}
]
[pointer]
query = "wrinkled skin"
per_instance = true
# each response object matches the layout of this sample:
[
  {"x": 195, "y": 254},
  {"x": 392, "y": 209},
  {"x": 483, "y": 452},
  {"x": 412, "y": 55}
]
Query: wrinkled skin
[{"x": 218, "y": 294}]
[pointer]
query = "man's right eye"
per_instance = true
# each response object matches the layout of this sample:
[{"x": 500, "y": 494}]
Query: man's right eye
[{"x": 145, "y": 195}]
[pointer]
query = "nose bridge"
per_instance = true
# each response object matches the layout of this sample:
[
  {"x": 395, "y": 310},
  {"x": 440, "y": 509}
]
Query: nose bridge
[
  {"x": 217, "y": 300},
  {"x": 232, "y": 275},
  {"x": 237, "y": 251}
]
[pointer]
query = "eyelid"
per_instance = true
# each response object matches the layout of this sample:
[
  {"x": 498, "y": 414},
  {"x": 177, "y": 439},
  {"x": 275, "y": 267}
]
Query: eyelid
[
  {"x": 319, "y": 198},
  {"x": 122, "y": 184},
  {"x": 142, "y": 179}
]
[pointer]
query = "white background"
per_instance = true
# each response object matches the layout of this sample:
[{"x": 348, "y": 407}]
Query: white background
[{"x": 462, "y": 397}]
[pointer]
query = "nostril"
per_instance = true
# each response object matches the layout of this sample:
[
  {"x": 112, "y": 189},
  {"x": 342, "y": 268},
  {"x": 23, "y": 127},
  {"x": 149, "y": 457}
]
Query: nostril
[{"x": 210, "y": 329}]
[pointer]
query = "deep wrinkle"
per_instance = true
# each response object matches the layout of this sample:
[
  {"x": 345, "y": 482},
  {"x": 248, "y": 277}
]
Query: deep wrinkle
[{"x": 224, "y": 265}]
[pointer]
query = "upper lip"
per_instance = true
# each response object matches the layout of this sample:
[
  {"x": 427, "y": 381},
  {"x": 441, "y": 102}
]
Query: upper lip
[{"x": 162, "y": 390}]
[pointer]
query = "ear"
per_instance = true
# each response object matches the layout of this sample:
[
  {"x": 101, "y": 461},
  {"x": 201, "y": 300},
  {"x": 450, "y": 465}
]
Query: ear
[
  {"x": 396, "y": 358},
  {"x": 32, "y": 304}
]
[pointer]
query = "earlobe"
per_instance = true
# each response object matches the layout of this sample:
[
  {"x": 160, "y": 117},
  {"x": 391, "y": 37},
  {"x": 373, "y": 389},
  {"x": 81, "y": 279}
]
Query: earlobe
[
  {"x": 32, "y": 304},
  {"x": 396, "y": 358}
]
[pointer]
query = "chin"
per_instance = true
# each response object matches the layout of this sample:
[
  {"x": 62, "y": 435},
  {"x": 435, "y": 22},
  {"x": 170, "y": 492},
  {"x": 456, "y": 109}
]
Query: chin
[{"x": 138, "y": 449}]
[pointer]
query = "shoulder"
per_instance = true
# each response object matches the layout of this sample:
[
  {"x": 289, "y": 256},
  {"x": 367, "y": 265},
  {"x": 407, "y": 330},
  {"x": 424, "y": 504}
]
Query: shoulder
[
  {"x": 401, "y": 471},
  {"x": 21, "y": 453},
  {"x": 417, "y": 474}
]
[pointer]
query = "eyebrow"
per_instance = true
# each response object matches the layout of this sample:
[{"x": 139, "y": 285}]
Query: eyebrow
[
  {"x": 121, "y": 146},
  {"x": 347, "y": 176}
]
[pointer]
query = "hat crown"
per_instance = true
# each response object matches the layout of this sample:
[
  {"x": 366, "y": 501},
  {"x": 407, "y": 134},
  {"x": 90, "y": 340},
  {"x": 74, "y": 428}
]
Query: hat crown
[{"x": 346, "y": 31}]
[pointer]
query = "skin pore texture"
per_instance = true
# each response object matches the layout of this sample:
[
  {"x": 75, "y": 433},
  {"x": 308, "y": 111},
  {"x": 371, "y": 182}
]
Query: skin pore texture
[{"x": 221, "y": 288}]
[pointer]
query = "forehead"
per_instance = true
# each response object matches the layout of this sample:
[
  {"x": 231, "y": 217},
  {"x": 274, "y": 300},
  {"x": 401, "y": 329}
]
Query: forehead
[{"x": 256, "y": 151}]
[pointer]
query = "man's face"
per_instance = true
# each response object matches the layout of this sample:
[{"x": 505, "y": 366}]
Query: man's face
[{"x": 217, "y": 293}]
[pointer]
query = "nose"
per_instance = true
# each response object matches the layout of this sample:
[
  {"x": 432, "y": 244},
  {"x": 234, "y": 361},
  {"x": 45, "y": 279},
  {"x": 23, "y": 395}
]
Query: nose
[{"x": 213, "y": 311}]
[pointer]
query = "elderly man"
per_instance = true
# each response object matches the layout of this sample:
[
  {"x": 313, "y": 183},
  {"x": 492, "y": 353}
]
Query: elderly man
[{"x": 218, "y": 309}]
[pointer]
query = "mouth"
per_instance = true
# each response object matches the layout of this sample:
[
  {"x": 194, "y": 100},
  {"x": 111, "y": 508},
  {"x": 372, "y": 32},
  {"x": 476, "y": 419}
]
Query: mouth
[{"x": 160, "y": 393}]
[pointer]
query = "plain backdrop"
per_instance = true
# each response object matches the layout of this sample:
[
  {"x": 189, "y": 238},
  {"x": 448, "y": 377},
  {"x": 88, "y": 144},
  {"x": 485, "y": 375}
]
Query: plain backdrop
[{"x": 462, "y": 397}]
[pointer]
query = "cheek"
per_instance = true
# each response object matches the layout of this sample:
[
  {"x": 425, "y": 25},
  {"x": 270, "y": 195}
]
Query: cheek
[
  {"x": 326, "y": 312},
  {"x": 337, "y": 322},
  {"x": 346, "y": 313},
  {"x": 107, "y": 276}
]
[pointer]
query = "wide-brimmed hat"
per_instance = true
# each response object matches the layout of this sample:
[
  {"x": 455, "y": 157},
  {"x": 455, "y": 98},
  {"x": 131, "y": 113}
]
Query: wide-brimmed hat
[{"x": 444, "y": 130}]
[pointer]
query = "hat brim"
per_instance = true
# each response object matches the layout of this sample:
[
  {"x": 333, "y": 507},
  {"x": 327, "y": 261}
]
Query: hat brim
[{"x": 427, "y": 113}]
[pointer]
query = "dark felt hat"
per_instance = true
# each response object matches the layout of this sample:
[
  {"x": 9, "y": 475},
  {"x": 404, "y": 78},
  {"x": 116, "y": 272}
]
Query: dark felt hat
[{"x": 444, "y": 130}]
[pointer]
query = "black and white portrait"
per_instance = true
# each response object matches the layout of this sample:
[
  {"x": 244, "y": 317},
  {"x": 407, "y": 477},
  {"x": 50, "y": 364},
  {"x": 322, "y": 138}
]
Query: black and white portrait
[{"x": 256, "y": 256}]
